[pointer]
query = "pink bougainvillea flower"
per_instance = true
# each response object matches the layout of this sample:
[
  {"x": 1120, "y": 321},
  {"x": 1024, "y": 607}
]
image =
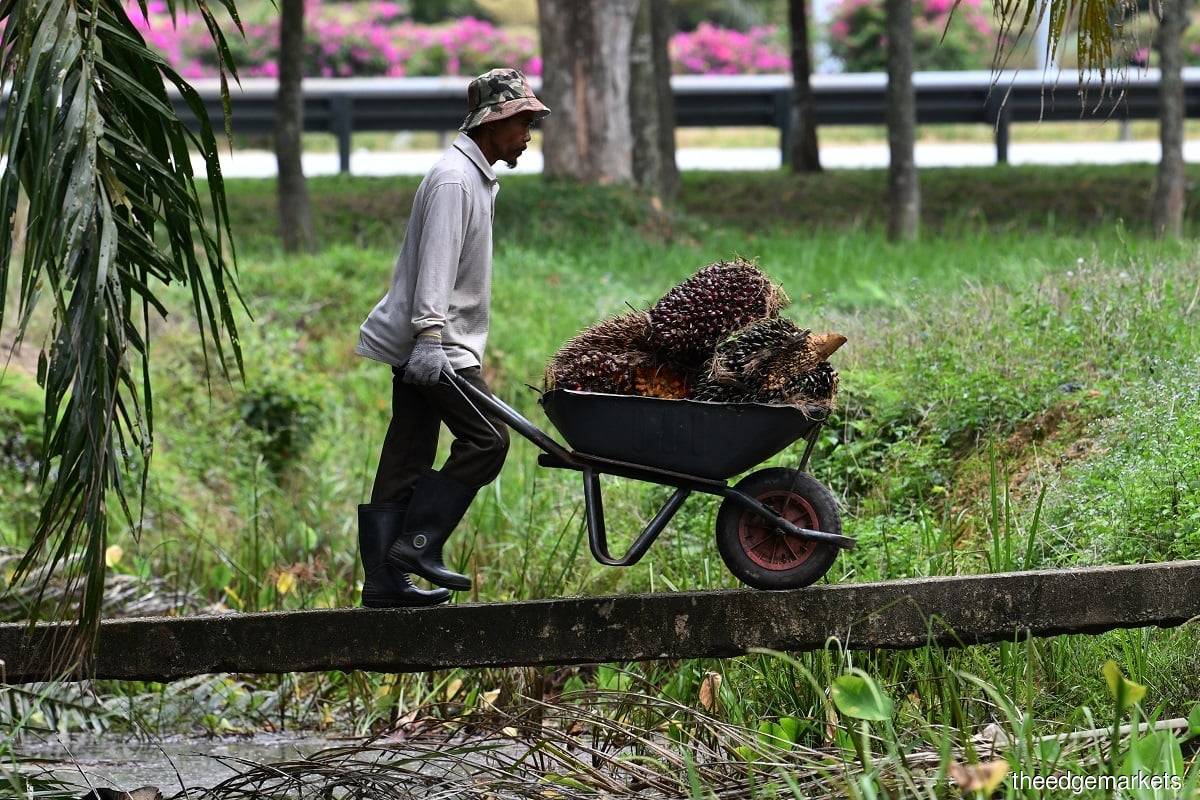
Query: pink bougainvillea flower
[
  {"x": 374, "y": 38},
  {"x": 713, "y": 50}
]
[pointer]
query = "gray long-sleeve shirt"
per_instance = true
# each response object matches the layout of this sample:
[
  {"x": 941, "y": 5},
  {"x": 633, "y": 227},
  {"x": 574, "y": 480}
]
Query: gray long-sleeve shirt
[{"x": 443, "y": 275}]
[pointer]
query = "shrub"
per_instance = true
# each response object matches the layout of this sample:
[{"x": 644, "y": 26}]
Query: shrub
[
  {"x": 287, "y": 419},
  {"x": 373, "y": 39},
  {"x": 857, "y": 35},
  {"x": 379, "y": 39},
  {"x": 710, "y": 50}
]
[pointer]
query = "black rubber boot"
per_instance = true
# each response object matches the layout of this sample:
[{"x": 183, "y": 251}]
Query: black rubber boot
[
  {"x": 438, "y": 504},
  {"x": 379, "y": 524}
]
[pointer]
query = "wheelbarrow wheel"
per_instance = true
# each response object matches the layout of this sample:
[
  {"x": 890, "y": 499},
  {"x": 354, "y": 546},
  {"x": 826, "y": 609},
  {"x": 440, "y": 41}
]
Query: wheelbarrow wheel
[{"x": 758, "y": 553}]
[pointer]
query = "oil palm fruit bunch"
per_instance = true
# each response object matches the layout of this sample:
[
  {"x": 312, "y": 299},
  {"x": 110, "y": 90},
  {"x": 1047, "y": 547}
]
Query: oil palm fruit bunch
[
  {"x": 604, "y": 357},
  {"x": 690, "y": 319},
  {"x": 771, "y": 361}
]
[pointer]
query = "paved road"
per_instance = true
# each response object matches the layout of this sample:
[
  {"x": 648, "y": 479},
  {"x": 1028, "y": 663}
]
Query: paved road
[{"x": 261, "y": 163}]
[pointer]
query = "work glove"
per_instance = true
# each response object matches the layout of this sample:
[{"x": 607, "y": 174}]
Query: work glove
[{"x": 427, "y": 361}]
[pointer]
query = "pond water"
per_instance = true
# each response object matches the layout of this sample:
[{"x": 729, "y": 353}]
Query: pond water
[
  {"x": 169, "y": 763},
  {"x": 173, "y": 764}
]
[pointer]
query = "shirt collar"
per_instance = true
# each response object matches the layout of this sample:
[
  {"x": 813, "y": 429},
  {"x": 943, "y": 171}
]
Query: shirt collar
[{"x": 467, "y": 145}]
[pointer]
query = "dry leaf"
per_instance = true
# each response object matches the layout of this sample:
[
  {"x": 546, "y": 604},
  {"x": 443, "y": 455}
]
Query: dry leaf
[
  {"x": 145, "y": 793},
  {"x": 831, "y": 723},
  {"x": 983, "y": 777},
  {"x": 285, "y": 582},
  {"x": 452, "y": 688},
  {"x": 708, "y": 690}
]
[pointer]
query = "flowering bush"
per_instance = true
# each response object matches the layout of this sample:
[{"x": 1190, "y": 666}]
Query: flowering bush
[
  {"x": 375, "y": 39},
  {"x": 857, "y": 35},
  {"x": 710, "y": 50},
  {"x": 177, "y": 42},
  {"x": 378, "y": 38}
]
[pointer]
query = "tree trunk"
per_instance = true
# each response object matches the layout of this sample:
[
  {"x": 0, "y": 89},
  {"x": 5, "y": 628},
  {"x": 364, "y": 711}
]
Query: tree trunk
[
  {"x": 801, "y": 150},
  {"x": 651, "y": 104},
  {"x": 662, "y": 27},
  {"x": 295, "y": 219},
  {"x": 1169, "y": 186},
  {"x": 585, "y": 56},
  {"x": 904, "y": 195}
]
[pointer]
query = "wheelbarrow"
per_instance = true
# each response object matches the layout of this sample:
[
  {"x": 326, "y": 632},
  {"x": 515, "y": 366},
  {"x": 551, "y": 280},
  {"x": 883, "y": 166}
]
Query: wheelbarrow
[{"x": 778, "y": 528}]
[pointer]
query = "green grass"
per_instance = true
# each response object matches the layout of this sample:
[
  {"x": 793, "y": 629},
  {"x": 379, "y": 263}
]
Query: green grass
[
  {"x": 1138, "y": 498},
  {"x": 1033, "y": 339},
  {"x": 716, "y": 208}
]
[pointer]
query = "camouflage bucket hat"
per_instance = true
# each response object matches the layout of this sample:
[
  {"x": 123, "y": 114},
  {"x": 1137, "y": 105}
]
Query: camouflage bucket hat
[{"x": 498, "y": 94}]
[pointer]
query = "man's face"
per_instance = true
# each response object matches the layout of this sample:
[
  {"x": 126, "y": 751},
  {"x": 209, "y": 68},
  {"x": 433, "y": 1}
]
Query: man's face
[{"x": 511, "y": 136}]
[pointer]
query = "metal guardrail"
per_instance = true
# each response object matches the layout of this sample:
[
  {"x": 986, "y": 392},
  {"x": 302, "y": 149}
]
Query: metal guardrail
[
  {"x": 950, "y": 611},
  {"x": 342, "y": 106}
]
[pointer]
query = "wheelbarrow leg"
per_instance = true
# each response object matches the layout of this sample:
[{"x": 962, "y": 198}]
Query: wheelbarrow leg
[{"x": 598, "y": 537}]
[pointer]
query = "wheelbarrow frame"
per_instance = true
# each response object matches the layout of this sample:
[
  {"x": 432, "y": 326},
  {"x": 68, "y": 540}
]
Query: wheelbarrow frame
[{"x": 555, "y": 456}]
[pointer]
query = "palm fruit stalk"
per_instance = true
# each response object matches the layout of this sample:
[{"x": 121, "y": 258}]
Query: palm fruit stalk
[
  {"x": 602, "y": 358},
  {"x": 817, "y": 387},
  {"x": 690, "y": 319},
  {"x": 771, "y": 361}
]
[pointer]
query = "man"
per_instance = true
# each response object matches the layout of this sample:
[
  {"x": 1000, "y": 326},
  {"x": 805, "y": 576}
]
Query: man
[{"x": 434, "y": 319}]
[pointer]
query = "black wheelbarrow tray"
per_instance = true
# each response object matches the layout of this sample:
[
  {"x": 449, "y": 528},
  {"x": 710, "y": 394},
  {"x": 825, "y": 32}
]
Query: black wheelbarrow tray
[{"x": 778, "y": 528}]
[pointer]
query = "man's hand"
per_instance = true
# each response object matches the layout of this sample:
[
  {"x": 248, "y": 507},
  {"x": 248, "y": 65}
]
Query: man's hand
[{"x": 427, "y": 362}]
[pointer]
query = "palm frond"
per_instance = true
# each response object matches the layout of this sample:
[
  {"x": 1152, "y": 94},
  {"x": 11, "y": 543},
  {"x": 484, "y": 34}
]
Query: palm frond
[
  {"x": 93, "y": 145},
  {"x": 1101, "y": 29}
]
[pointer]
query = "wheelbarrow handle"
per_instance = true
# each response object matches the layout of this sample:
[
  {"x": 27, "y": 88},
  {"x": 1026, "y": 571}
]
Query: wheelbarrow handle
[
  {"x": 475, "y": 397},
  {"x": 455, "y": 381}
]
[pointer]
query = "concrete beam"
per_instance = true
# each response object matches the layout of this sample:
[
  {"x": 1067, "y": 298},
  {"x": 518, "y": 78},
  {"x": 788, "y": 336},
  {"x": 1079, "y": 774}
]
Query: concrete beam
[{"x": 949, "y": 611}]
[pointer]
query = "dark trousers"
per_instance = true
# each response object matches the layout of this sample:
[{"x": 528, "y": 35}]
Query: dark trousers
[{"x": 410, "y": 446}]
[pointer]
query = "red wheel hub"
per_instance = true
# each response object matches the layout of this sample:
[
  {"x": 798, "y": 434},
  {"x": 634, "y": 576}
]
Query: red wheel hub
[{"x": 769, "y": 547}]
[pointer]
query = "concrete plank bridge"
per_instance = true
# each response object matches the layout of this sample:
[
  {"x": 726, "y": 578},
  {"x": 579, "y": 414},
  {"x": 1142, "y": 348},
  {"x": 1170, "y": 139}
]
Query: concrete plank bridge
[{"x": 950, "y": 611}]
